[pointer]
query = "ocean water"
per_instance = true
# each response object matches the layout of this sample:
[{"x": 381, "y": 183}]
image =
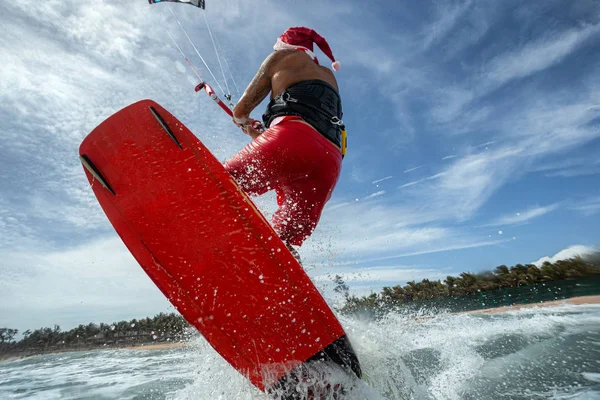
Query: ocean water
[{"x": 543, "y": 353}]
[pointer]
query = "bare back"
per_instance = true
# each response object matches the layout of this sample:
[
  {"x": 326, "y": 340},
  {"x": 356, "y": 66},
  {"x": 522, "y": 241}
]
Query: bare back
[
  {"x": 280, "y": 70},
  {"x": 295, "y": 66}
]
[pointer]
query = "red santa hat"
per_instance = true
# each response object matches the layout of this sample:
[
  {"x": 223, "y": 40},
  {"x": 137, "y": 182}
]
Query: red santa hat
[{"x": 303, "y": 38}]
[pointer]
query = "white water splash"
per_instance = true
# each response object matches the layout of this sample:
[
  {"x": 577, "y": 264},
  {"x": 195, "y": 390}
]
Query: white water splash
[{"x": 543, "y": 353}]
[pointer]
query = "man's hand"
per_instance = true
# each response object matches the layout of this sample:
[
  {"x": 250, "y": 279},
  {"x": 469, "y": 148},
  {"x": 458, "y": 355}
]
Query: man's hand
[
  {"x": 242, "y": 121},
  {"x": 249, "y": 126},
  {"x": 250, "y": 131}
]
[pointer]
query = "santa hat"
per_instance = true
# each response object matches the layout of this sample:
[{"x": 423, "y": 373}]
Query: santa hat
[{"x": 303, "y": 38}]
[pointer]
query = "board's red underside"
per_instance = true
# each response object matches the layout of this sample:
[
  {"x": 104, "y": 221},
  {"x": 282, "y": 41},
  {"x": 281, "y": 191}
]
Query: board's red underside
[{"x": 204, "y": 244}]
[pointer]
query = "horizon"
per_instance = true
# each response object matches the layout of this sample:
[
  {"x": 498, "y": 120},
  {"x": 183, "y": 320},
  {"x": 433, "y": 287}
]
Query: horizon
[
  {"x": 473, "y": 134},
  {"x": 568, "y": 254}
]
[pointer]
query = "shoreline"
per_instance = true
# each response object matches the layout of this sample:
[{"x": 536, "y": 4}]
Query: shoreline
[
  {"x": 139, "y": 347},
  {"x": 576, "y": 301},
  {"x": 581, "y": 300},
  {"x": 155, "y": 346}
]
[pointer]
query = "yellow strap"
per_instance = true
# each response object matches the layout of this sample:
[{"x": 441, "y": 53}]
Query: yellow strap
[{"x": 344, "y": 141}]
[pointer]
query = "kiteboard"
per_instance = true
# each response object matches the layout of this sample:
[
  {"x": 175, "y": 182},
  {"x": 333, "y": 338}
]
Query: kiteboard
[{"x": 210, "y": 251}]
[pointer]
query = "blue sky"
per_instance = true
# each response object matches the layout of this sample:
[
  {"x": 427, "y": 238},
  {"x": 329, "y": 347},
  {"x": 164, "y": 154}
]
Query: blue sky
[{"x": 474, "y": 137}]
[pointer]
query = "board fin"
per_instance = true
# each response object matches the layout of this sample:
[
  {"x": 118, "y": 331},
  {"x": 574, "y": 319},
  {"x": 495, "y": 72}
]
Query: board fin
[
  {"x": 164, "y": 125},
  {"x": 89, "y": 165}
]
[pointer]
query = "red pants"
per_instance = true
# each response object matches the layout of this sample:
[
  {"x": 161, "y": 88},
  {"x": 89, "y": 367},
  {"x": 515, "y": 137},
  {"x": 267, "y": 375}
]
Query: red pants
[{"x": 300, "y": 165}]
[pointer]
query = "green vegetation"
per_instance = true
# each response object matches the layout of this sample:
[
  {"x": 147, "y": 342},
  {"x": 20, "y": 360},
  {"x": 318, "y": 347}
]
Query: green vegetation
[
  {"x": 161, "y": 328},
  {"x": 519, "y": 284}
]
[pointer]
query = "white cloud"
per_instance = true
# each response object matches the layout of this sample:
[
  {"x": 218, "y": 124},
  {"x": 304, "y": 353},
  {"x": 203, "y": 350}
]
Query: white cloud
[
  {"x": 449, "y": 102},
  {"x": 453, "y": 106},
  {"x": 575, "y": 172},
  {"x": 455, "y": 244},
  {"x": 382, "y": 179},
  {"x": 486, "y": 144},
  {"x": 409, "y": 184},
  {"x": 362, "y": 233},
  {"x": 74, "y": 65},
  {"x": 588, "y": 207},
  {"x": 535, "y": 57},
  {"x": 76, "y": 285},
  {"x": 468, "y": 183},
  {"x": 412, "y": 183},
  {"x": 570, "y": 167},
  {"x": 524, "y": 216},
  {"x": 413, "y": 169},
  {"x": 376, "y": 194},
  {"x": 569, "y": 252},
  {"x": 448, "y": 18}
]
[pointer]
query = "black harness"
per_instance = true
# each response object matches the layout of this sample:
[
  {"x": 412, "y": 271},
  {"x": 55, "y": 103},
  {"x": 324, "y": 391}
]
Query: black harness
[{"x": 316, "y": 102}]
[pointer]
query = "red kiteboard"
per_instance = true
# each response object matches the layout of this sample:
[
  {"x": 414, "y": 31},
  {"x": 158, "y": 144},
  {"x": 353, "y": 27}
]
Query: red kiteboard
[{"x": 208, "y": 249}]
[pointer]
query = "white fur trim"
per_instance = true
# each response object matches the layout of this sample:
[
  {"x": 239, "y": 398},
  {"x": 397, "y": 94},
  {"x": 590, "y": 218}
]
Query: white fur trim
[{"x": 281, "y": 45}]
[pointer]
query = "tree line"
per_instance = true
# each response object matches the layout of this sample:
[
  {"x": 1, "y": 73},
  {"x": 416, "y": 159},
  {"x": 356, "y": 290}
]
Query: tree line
[
  {"x": 162, "y": 327},
  {"x": 169, "y": 327},
  {"x": 483, "y": 284}
]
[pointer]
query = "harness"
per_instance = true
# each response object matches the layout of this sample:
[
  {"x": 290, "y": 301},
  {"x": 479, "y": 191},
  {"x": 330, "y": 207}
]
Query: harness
[{"x": 316, "y": 102}]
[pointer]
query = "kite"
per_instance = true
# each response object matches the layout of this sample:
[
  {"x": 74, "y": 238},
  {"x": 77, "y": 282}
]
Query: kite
[{"x": 197, "y": 3}]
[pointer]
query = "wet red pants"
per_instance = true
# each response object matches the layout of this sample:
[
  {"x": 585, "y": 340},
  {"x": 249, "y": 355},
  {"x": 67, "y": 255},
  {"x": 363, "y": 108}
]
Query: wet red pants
[{"x": 297, "y": 162}]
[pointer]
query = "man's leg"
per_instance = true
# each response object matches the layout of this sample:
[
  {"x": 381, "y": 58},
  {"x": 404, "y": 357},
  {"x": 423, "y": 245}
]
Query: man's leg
[
  {"x": 255, "y": 167},
  {"x": 300, "y": 206},
  {"x": 301, "y": 165},
  {"x": 249, "y": 170}
]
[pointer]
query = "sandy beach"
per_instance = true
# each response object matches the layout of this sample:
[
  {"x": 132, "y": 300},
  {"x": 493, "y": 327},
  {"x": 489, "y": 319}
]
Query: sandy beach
[
  {"x": 146, "y": 346},
  {"x": 573, "y": 301},
  {"x": 173, "y": 345},
  {"x": 156, "y": 346}
]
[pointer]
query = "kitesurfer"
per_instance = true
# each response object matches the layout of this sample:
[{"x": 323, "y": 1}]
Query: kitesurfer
[{"x": 299, "y": 154}]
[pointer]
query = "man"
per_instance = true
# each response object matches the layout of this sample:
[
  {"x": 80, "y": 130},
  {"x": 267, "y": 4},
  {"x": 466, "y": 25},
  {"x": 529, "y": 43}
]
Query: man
[{"x": 300, "y": 153}]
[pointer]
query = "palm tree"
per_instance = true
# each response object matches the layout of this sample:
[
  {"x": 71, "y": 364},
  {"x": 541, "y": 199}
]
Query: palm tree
[
  {"x": 340, "y": 286},
  {"x": 467, "y": 282},
  {"x": 533, "y": 273},
  {"x": 502, "y": 270}
]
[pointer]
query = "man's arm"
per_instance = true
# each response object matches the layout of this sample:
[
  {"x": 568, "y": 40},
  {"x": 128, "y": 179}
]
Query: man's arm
[{"x": 258, "y": 89}]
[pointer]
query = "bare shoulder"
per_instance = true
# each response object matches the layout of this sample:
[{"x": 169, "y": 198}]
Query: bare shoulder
[
  {"x": 287, "y": 67},
  {"x": 276, "y": 58}
]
